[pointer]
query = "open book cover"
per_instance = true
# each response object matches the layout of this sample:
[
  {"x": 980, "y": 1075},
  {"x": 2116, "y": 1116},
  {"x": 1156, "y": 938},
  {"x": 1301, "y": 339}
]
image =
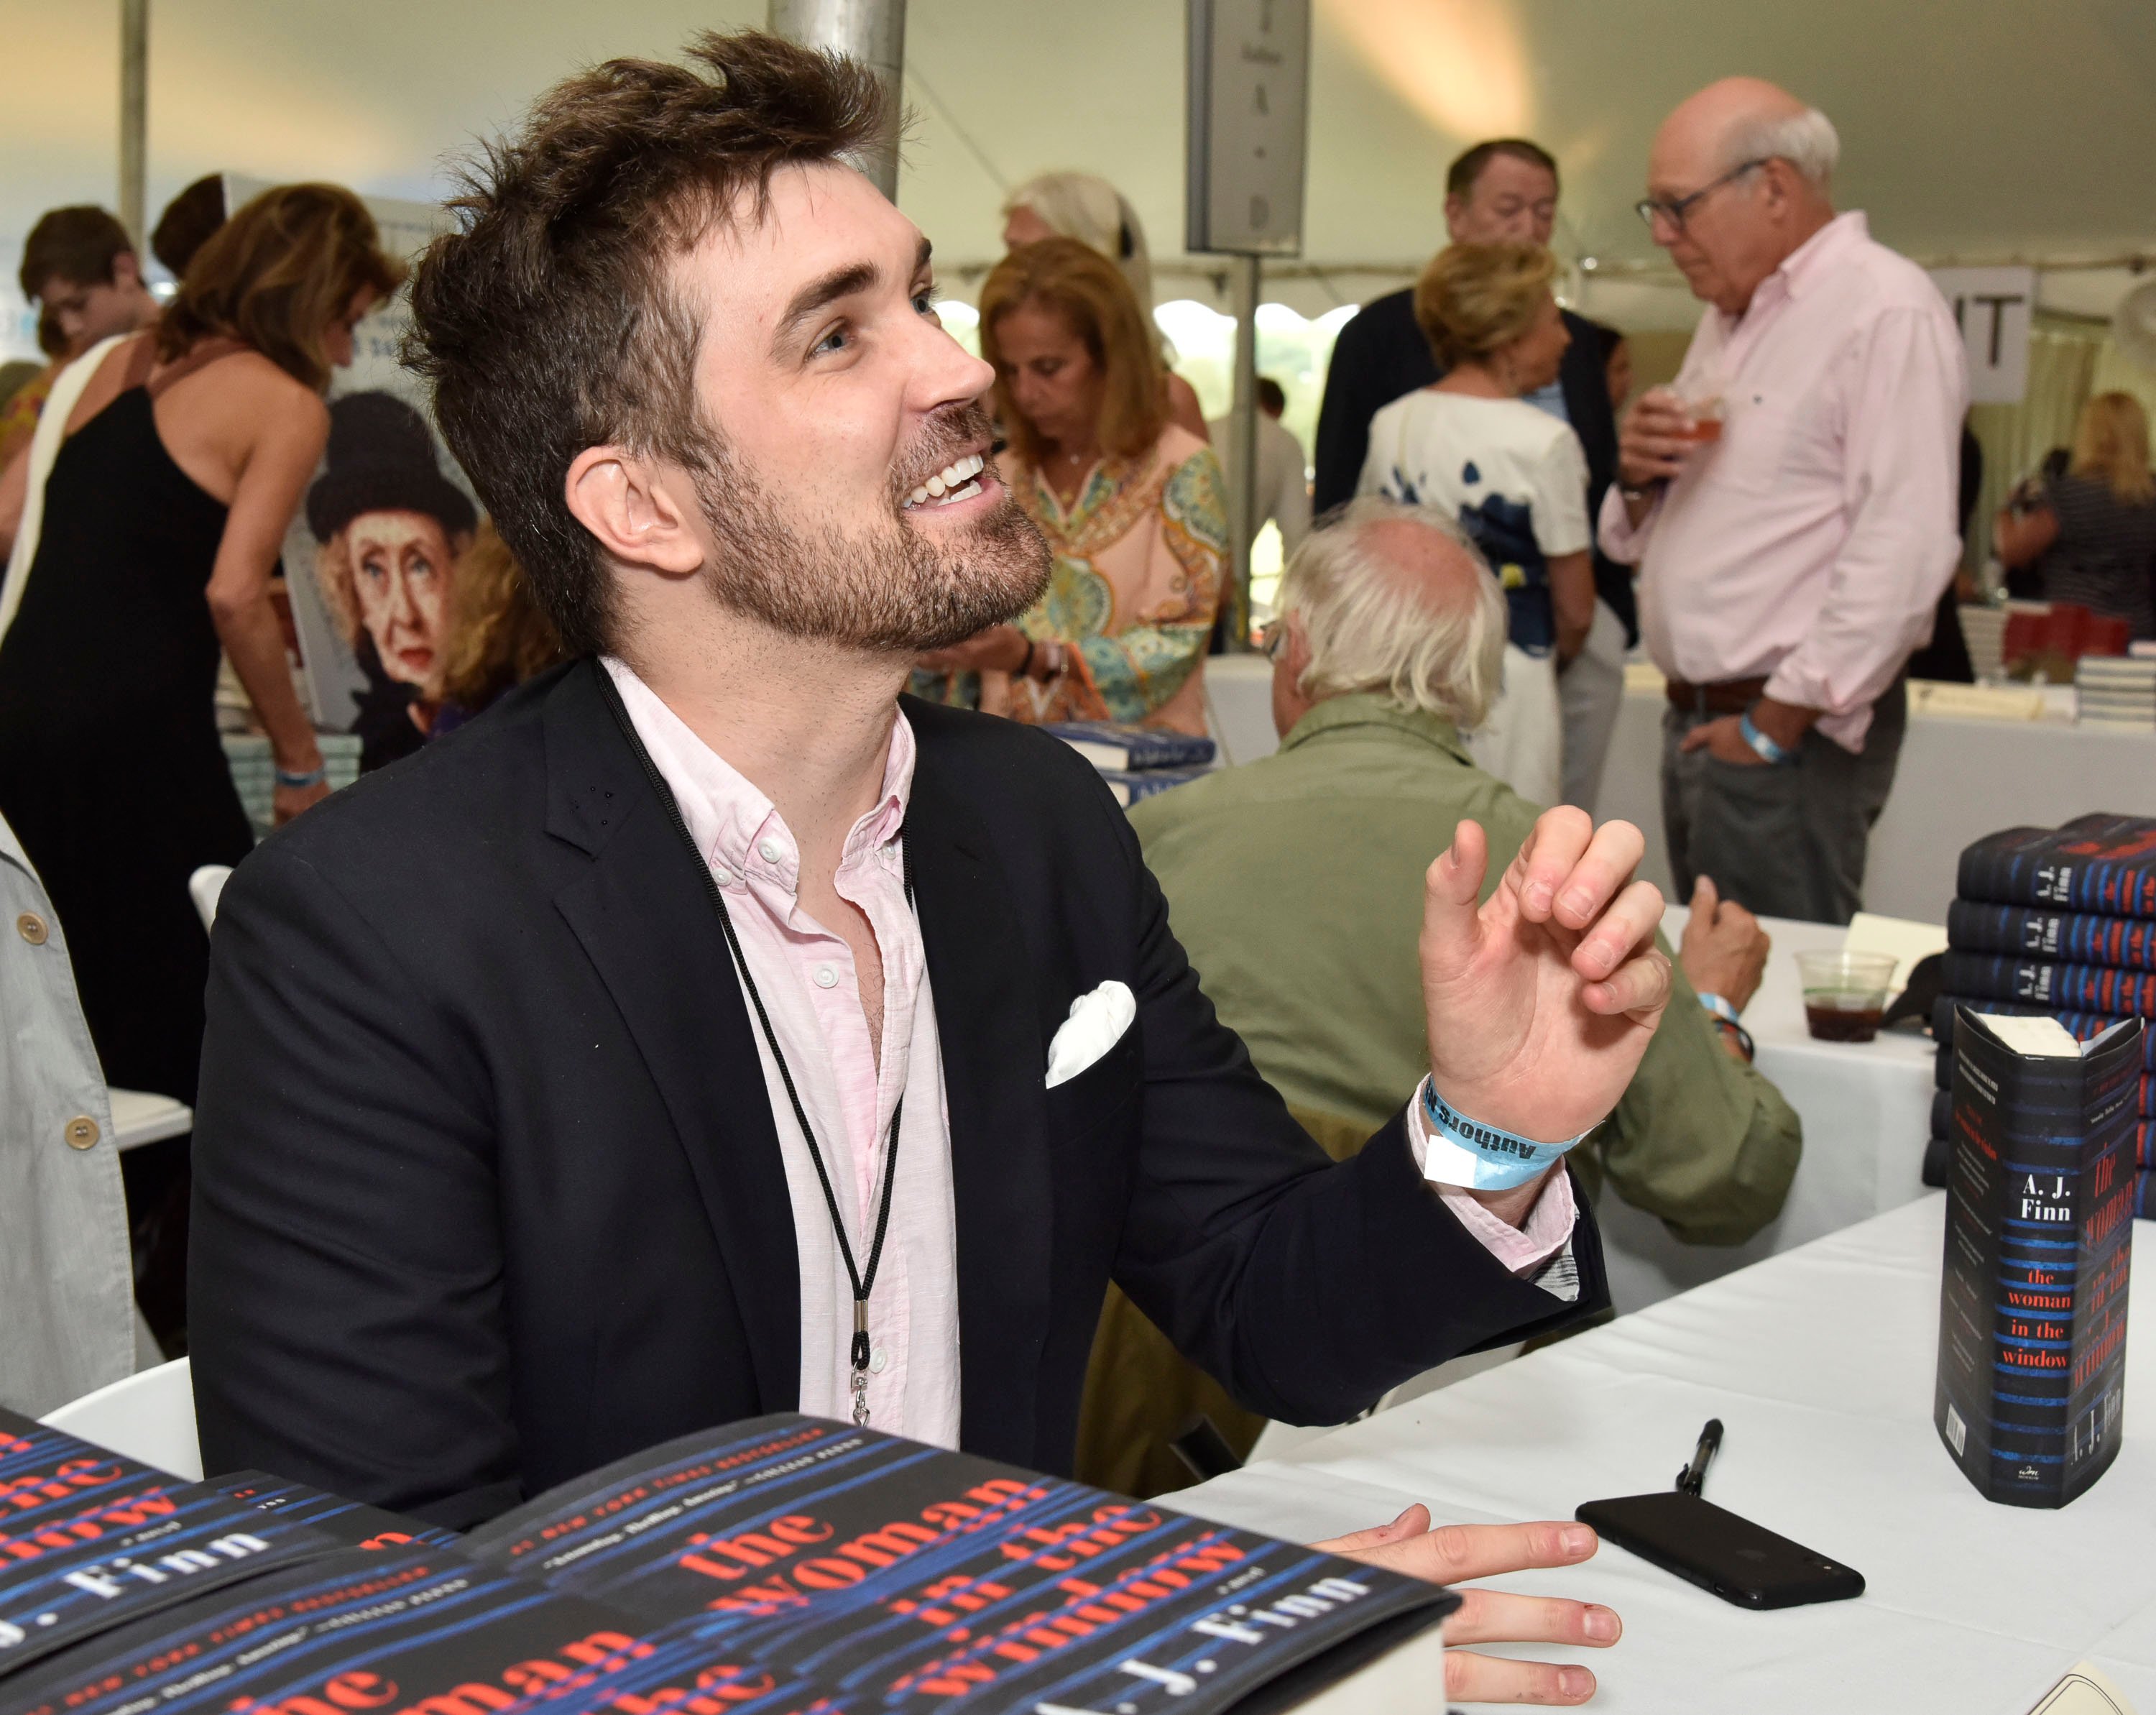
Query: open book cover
[
  {"x": 784, "y": 1566},
  {"x": 89, "y": 1540},
  {"x": 895, "y": 1576}
]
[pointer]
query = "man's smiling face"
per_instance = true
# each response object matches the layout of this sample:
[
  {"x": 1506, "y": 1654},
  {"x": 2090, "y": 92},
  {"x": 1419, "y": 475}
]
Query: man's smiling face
[{"x": 844, "y": 476}]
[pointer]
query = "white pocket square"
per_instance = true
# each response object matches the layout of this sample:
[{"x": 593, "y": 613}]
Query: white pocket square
[{"x": 1096, "y": 1024}]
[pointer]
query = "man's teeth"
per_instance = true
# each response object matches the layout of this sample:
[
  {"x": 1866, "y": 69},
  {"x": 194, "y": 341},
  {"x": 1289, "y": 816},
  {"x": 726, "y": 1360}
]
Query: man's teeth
[{"x": 951, "y": 484}]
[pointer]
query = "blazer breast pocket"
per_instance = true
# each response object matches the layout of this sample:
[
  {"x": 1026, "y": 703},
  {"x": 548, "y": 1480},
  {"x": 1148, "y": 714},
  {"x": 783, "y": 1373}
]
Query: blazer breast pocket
[{"x": 1103, "y": 1090}]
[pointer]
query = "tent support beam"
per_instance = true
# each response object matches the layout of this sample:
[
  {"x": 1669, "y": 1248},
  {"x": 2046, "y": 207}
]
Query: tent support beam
[
  {"x": 1241, "y": 451},
  {"x": 133, "y": 121},
  {"x": 870, "y": 31}
]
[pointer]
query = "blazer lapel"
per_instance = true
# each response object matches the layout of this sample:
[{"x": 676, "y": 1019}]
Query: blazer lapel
[
  {"x": 641, "y": 914},
  {"x": 994, "y": 1071}
]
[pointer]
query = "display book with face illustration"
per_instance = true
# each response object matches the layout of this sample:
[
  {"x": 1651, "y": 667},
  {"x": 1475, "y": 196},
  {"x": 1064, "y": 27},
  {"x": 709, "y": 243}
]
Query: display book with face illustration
[{"x": 782, "y": 1563}]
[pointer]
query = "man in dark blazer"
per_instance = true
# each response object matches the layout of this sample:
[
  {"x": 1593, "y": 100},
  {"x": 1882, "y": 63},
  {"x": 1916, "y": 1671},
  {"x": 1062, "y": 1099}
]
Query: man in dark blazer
[
  {"x": 495, "y": 1181},
  {"x": 1504, "y": 191}
]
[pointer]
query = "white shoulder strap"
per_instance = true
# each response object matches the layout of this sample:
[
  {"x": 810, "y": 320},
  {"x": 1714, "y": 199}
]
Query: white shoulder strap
[{"x": 44, "y": 447}]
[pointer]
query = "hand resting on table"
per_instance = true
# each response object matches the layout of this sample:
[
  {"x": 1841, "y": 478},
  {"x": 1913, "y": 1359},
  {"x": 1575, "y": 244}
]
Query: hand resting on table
[{"x": 1452, "y": 1553}]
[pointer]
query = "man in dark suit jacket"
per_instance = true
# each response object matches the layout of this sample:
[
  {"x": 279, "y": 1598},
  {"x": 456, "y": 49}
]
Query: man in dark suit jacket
[
  {"x": 1505, "y": 191},
  {"x": 495, "y": 1181}
]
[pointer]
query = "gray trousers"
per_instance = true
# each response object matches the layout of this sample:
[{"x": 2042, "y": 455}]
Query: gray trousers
[
  {"x": 1786, "y": 842},
  {"x": 1591, "y": 691}
]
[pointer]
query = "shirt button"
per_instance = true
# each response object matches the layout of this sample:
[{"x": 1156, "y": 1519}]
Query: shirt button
[
  {"x": 32, "y": 928},
  {"x": 722, "y": 874},
  {"x": 770, "y": 850},
  {"x": 877, "y": 1359},
  {"x": 80, "y": 1132},
  {"x": 826, "y": 978}
]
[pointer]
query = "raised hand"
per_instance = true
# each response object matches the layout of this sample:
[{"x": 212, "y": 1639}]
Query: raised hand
[
  {"x": 1456, "y": 1552},
  {"x": 1541, "y": 1001}
]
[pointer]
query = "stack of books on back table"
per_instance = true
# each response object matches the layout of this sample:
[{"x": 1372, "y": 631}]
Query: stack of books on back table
[
  {"x": 1137, "y": 761},
  {"x": 2056, "y": 921},
  {"x": 2116, "y": 691}
]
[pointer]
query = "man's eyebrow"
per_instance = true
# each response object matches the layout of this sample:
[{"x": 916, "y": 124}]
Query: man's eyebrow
[{"x": 839, "y": 283}]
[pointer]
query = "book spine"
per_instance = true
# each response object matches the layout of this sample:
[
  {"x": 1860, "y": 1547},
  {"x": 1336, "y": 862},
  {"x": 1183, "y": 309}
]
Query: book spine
[
  {"x": 2026, "y": 866},
  {"x": 2070, "y": 937},
  {"x": 2077, "y": 988}
]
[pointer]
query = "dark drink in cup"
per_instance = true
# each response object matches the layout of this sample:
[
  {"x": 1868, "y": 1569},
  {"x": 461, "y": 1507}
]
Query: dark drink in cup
[
  {"x": 1838, "y": 1018},
  {"x": 1845, "y": 993}
]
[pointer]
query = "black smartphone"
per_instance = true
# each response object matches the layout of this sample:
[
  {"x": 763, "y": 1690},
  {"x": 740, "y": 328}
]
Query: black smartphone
[{"x": 1734, "y": 1559}]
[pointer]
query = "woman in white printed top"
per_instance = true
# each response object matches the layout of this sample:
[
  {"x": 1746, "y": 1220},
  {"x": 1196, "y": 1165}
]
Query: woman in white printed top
[{"x": 1514, "y": 475}]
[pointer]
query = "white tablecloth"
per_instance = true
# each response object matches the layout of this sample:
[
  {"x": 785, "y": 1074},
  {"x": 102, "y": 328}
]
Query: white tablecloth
[
  {"x": 1820, "y": 1364},
  {"x": 1958, "y": 781},
  {"x": 1866, "y": 1111}
]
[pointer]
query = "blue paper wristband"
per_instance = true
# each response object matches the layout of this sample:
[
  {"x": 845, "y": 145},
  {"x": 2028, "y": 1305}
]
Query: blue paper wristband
[{"x": 1479, "y": 1157}]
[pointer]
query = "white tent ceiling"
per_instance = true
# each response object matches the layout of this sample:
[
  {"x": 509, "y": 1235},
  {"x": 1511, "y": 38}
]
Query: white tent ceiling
[{"x": 1976, "y": 129}]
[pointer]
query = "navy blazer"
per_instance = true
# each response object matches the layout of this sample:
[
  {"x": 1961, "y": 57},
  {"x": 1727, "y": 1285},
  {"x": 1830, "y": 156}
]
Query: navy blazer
[{"x": 488, "y": 1191}]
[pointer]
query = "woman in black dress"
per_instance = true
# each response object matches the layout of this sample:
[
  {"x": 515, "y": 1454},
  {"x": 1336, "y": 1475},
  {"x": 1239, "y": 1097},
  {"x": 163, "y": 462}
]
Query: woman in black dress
[{"x": 163, "y": 515}]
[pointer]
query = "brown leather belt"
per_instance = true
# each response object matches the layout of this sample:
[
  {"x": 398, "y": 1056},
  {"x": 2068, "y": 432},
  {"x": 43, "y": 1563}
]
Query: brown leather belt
[{"x": 1726, "y": 696}]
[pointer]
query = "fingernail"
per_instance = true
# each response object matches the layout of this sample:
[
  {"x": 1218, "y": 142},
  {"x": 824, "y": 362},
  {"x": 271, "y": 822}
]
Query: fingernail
[
  {"x": 1579, "y": 901},
  {"x": 1538, "y": 895},
  {"x": 1403, "y": 1518},
  {"x": 1576, "y": 1683},
  {"x": 1602, "y": 1626},
  {"x": 1579, "y": 1539}
]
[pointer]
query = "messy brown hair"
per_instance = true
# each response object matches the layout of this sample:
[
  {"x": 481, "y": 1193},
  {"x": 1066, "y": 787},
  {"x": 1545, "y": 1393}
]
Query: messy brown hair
[
  {"x": 1475, "y": 299},
  {"x": 547, "y": 320},
  {"x": 276, "y": 274},
  {"x": 1090, "y": 293},
  {"x": 499, "y": 637}
]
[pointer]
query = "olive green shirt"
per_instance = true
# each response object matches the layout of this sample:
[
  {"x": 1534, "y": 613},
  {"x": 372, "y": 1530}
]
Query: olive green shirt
[{"x": 1295, "y": 885}]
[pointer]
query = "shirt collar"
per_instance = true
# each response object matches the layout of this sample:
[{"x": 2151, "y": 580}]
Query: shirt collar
[
  {"x": 1367, "y": 708},
  {"x": 735, "y": 827},
  {"x": 1816, "y": 256}
]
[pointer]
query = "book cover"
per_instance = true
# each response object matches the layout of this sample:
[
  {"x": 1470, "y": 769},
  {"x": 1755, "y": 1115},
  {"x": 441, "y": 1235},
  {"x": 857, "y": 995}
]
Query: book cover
[
  {"x": 906, "y": 1576},
  {"x": 2093, "y": 988},
  {"x": 351, "y": 1523},
  {"x": 1121, "y": 749},
  {"x": 1133, "y": 788},
  {"x": 2104, "y": 864},
  {"x": 89, "y": 1540},
  {"x": 2083, "y": 1026},
  {"x": 2066, "y": 938},
  {"x": 2031, "y": 1384},
  {"x": 365, "y": 1633},
  {"x": 2141, "y": 1132}
]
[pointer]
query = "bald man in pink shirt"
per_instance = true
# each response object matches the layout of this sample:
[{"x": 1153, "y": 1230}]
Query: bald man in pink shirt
[{"x": 1792, "y": 556}]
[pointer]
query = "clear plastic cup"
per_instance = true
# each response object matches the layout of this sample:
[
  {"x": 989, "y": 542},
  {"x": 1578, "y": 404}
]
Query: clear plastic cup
[{"x": 1845, "y": 993}]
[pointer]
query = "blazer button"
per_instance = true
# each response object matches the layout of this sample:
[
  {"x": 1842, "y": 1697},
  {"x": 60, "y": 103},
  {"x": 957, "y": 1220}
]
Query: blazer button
[
  {"x": 80, "y": 1132},
  {"x": 32, "y": 928}
]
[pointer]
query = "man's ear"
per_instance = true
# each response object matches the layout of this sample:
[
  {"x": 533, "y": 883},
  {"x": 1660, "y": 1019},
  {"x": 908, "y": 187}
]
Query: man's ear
[
  {"x": 127, "y": 270},
  {"x": 629, "y": 506}
]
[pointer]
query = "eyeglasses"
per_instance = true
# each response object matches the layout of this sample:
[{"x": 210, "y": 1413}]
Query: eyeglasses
[
  {"x": 1677, "y": 209},
  {"x": 1272, "y": 638}
]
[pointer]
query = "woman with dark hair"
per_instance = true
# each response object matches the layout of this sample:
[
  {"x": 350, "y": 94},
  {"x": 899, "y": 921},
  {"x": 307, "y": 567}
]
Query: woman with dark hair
[
  {"x": 1130, "y": 502},
  {"x": 167, "y": 484}
]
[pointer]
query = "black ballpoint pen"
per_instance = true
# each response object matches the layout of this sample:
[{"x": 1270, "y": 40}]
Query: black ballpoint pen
[{"x": 1694, "y": 1474}]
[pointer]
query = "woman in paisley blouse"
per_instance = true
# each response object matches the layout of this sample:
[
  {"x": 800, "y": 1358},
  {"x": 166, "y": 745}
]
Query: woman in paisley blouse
[{"x": 1131, "y": 505}]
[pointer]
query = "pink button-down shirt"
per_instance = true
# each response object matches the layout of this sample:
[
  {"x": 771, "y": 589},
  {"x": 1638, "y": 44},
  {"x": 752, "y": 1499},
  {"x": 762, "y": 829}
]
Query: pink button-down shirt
[
  {"x": 1810, "y": 545},
  {"x": 806, "y": 976}
]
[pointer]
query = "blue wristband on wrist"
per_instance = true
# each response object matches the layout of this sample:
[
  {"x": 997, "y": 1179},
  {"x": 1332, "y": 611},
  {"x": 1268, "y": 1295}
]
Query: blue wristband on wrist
[
  {"x": 301, "y": 783},
  {"x": 1769, "y": 750},
  {"x": 1479, "y": 1157}
]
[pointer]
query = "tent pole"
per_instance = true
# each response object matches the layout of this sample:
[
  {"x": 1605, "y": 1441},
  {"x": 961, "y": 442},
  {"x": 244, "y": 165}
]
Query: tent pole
[
  {"x": 870, "y": 31},
  {"x": 134, "y": 119},
  {"x": 1241, "y": 452}
]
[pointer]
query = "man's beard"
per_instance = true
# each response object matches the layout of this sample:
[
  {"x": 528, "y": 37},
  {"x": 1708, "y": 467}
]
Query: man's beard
[{"x": 886, "y": 588}]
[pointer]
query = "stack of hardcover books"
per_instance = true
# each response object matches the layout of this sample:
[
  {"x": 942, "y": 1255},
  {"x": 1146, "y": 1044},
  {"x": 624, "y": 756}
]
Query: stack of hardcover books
[
  {"x": 1137, "y": 761},
  {"x": 2116, "y": 691},
  {"x": 2055, "y": 921},
  {"x": 780, "y": 1566}
]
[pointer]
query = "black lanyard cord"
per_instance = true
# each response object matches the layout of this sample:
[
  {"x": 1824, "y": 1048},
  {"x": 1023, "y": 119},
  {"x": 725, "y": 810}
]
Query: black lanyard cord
[{"x": 862, "y": 1284}]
